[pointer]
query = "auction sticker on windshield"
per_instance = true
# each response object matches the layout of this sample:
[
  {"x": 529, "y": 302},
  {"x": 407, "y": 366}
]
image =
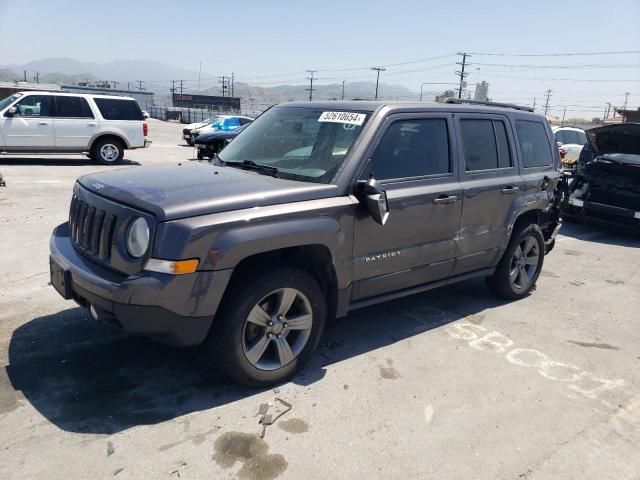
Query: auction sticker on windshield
[{"x": 349, "y": 118}]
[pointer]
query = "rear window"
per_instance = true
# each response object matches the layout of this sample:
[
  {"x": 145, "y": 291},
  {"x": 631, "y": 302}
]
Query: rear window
[
  {"x": 534, "y": 143},
  {"x": 115, "y": 109}
]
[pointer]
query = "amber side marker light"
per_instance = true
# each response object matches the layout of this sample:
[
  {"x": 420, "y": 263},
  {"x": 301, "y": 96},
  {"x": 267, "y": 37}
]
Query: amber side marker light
[{"x": 172, "y": 267}]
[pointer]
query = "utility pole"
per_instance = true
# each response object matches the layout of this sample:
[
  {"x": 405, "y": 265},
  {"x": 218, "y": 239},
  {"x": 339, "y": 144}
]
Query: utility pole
[
  {"x": 626, "y": 97},
  {"x": 128, "y": 85},
  {"x": 233, "y": 81},
  {"x": 546, "y": 103},
  {"x": 225, "y": 85},
  {"x": 199, "y": 73},
  {"x": 461, "y": 73},
  {"x": 25, "y": 75},
  {"x": 181, "y": 82},
  {"x": 310, "y": 78},
  {"x": 378, "y": 70},
  {"x": 37, "y": 77},
  {"x": 607, "y": 111},
  {"x": 140, "y": 82},
  {"x": 342, "y": 98},
  {"x": 173, "y": 88},
  {"x": 563, "y": 114},
  {"x": 534, "y": 103}
]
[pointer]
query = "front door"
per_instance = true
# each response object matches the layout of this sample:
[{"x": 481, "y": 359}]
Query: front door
[
  {"x": 75, "y": 124},
  {"x": 492, "y": 185},
  {"x": 415, "y": 162},
  {"x": 31, "y": 127}
]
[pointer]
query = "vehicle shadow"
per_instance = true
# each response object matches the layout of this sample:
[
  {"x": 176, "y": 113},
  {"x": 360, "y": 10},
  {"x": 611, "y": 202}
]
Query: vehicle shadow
[
  {"x": 590, "y": 231},
  {"x": 85, "y": 377},
  {"x": 61, "y": 162}
]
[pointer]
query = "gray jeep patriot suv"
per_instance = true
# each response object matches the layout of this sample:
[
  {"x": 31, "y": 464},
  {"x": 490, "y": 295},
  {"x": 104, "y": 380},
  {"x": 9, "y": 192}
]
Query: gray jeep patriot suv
[{"x": 316, "y": 209}]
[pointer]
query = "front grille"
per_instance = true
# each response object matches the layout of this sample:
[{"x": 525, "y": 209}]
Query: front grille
[{"x": 92, "y": 230}]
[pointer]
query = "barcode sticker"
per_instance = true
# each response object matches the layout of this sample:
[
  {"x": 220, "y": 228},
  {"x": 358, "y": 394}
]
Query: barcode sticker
[{"x": 348, "y": 118}]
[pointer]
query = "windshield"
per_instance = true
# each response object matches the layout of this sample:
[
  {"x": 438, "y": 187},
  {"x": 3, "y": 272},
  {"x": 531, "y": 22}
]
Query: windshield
[
  {"x": 306, "y": 144},
  {"x": 7, "y": 101}
]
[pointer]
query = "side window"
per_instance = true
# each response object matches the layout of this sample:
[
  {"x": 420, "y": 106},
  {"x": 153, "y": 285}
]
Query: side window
[
  {"x": 582, "y": 138},
  {"x": 560, "y": 136},
  {"x": 412, "y": 148},
  {"x": 72, "y": 107},
  {"x": 34, "y": 106},
  {"x": 479, "y": 145},
  {"x": 244, "y": 121},
  {"x": 534, "y": 144},
  {"x": 571, "y": 137},
  {"x": 116, "y": 109}
]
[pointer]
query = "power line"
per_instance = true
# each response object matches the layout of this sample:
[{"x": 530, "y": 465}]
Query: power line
[{"x": 569, "y": 54}]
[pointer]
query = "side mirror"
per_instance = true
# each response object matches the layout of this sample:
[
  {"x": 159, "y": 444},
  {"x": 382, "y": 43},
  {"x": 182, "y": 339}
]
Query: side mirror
[
  {"x": 375, "y": 200},
  {"x": 11, "y": 112},
  {"x": 559, "y": 143}
]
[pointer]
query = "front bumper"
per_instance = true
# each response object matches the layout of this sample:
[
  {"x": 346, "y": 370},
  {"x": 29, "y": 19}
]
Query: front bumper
[
  {"x": 603, "y": 212},
  {"x": 173, "y": 309}
]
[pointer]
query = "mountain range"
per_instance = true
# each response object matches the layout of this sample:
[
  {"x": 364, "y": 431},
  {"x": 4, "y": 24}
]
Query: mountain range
[{"x": 157, "y": 76}]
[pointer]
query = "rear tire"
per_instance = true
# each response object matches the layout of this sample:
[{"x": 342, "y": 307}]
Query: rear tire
[
  {"x": 107, "y": 151},
  {"x": 256, "y": 339},
  {"x": 520, "y": 266}
]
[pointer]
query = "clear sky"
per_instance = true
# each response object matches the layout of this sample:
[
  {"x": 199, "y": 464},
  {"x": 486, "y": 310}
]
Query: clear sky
[{"x": 281, "y": 39}]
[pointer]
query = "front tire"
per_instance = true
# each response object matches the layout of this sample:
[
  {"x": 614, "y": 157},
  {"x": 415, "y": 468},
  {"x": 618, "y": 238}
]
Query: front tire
[
  {"x": 268, "y": 326},
  {"x": 520, "y": 266},
  {"x": 107, "y": 151}
]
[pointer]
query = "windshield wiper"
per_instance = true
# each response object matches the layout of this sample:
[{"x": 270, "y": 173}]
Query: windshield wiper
[{"x": 251, "y": 165}]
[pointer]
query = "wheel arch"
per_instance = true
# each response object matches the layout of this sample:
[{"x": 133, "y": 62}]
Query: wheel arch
[
  {"x": 103, "y": 135},
  {"x": 315, "y": 259}
]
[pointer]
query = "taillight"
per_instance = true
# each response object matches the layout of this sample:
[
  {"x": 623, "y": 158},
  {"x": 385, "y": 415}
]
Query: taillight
[
  {"x": 145, "y": 128},
  {"x": 563, "y": 153}
]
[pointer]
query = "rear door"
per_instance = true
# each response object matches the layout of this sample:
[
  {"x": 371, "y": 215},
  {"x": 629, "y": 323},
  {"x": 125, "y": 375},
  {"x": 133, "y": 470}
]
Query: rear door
[
  {"x": 415, "y": 161},
  {"x": 539, "y": 174},
  {"x": 74, "y": 122},
  {"x": 31, "y": 128},
  {"x": 492, "y": 184}
]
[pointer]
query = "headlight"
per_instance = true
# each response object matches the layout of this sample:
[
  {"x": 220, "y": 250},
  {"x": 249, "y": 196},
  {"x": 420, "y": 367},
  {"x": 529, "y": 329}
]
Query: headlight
[{"x": 138, "y": 237}]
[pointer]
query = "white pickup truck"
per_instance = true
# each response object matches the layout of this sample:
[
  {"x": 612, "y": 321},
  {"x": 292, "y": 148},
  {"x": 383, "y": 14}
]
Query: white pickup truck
[{"x": 102, "y": 126}]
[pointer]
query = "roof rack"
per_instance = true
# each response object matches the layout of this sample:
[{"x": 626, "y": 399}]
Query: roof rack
[{"x": 488, "y": 104}]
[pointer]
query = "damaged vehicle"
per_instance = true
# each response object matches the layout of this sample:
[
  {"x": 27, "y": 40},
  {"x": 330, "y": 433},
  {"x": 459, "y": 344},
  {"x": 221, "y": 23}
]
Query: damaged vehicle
[
  {"x": 607, "y": 187},
  {"x": 315, "y": 210}
]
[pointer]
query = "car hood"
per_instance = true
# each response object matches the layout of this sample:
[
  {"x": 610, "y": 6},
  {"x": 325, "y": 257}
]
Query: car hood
[
  {"x": 191, "y": 126},
  {"x": 618, "y": 138},
  {"x": 173, "y": 191},
  {"x": 209, "y": 136}
]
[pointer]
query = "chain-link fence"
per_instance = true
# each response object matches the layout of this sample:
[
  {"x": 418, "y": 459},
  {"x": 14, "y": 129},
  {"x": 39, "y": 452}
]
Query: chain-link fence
[{"x": 184, "y": 115}]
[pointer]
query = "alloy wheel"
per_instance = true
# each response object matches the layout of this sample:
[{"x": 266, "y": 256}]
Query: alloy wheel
[
  {"x": 109, "y": 152},
  {"x": 524, "y": 263},
  {"x": 277, "y": 329}
]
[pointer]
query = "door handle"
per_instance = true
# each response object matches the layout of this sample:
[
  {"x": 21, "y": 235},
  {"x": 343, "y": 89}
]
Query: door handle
[
  {"x": 444, "y": 199},
  {"x": 43, "y": 123},
  {"x": 510, "y": 190},
  {"x": 91, "y": 124}
]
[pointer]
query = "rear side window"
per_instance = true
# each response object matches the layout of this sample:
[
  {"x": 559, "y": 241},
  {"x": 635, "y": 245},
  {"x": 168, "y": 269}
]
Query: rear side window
[
  {"x": 115, "y": 109},
  {"x": 485, "y": 145},
  {"x": 534, "y": 144},
  {"x": 244, "y": 121},
  {"x": 412, "y": 148},
  {"x": 72, "y": 107}
]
